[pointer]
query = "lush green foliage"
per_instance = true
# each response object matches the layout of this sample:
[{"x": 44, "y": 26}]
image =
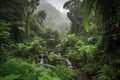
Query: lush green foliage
[
  {"x": 75, "y": 15},
  {"x": 107, "y": 17},
  {"x": 5, "y": 40},
  {"x": 65, "y": 73},
  {"x": 78, "y": 49},
  {"x": 22, "y": 70},
  {"x": 54, "y": 59},
  {"x": 23, "y": 38}
]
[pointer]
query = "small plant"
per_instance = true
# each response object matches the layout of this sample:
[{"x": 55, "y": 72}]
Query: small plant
[{"x": 54, "y": 59}]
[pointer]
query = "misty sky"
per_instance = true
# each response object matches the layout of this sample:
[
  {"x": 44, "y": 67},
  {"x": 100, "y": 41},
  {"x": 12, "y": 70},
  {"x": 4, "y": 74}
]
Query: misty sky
[{"x": 58, "y": 4}]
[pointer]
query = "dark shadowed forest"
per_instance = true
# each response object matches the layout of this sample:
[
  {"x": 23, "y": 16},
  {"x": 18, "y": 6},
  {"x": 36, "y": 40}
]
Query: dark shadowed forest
[{"x": 39, "y": 42}]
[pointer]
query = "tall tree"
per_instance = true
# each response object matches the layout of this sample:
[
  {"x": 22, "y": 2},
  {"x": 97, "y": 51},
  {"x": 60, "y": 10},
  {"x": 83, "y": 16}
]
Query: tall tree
[
  {"x": 75, "y": 15},
  {"x": 107, "y": 12},
  {"x": 41, "y": 16},
  {"x": 29, "y": 7},
  {"x": 18, "y": 13},
  {"x": 13, "y": 12}
]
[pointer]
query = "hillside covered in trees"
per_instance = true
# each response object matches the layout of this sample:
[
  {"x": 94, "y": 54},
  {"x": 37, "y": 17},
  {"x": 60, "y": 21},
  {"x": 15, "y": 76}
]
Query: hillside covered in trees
[{"x": 38, "y": 42}]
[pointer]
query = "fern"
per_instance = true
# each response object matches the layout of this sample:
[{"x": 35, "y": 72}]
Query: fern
[
  {"x": 65, "y": 73},
  {"x": 11, "y": 77},
  {"x": 106, "y": 73}
]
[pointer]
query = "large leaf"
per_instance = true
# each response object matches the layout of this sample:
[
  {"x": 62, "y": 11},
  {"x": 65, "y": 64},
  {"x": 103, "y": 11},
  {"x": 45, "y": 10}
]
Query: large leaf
[
  {"x": 11, "y": 77},
  {"x": 87, "y": 7}
]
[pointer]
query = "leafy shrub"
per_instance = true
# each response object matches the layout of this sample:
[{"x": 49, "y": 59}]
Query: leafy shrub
[
  {"x": 65, "y": 73},
  {"x": 78, "y": 50},
  {"x": 106, "y": 73},
  {"x": 54, "y": 59},
  {"x": 5, "y": 40},
  {"x": 21, "y": 70},
  {"x": 91, "y": 68},
  {"x": 10, "y": 77},
  {"x": 29, "y": 50}
]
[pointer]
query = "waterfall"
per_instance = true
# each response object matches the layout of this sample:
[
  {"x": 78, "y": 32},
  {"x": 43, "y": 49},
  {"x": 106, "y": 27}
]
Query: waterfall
[
  {"x": 59, "y": 54},
  {"x": 66, "y": 60},
  {"x": 41, "y": 59},
  {"x": 69, "y": 64}
]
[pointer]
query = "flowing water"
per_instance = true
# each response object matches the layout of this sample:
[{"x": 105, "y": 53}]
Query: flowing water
[
  {"x": 82, "y": 75},
  {"x": 66, "y": 60},
  {"x": 69, "y": 64},
  {"x": 59, "y": 54},
  {"x": 41, "y": 60}
]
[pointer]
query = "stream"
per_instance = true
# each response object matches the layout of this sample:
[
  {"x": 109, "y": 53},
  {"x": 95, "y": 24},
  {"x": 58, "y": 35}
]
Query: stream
[
  {"x": 42, "y": 60},
  {"x": 67, "y": 62}
]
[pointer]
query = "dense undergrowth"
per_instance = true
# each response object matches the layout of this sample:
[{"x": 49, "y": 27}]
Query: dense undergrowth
[
  {"x": 17, "y": 60},
  {"x": 23, "y": 38},
  {"x": 84, "y": 54},
  {"x": 20, "y": 69}
]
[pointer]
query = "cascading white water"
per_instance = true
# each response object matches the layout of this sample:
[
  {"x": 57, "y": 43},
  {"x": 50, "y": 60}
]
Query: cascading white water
[
  {"x": 41, "y": 59},
  {"x": 59, "y": 54},
  {"x": 69, "y": 64},
  {"x": 67, "y": 61}
]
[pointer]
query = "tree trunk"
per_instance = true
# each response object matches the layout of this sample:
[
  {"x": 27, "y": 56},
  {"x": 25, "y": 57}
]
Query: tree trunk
[
  {"x": 111, "y": 21},
  {"x": 27, "y": 27}
]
